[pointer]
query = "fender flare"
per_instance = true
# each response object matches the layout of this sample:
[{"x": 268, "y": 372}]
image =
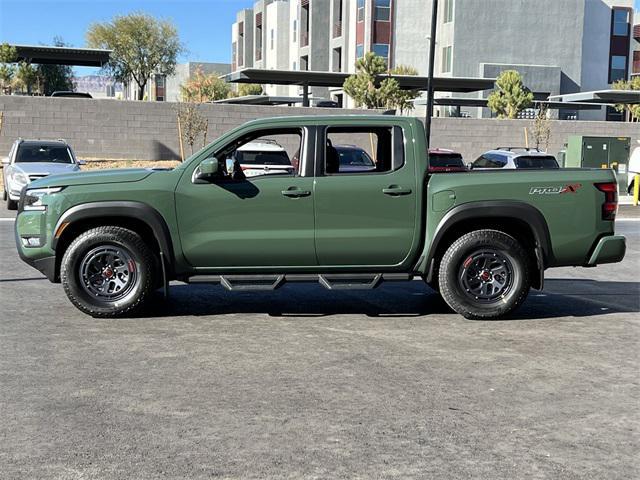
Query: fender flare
[
  {"x": 495, "y": 209},
  {"x": 135, "y": 210}
]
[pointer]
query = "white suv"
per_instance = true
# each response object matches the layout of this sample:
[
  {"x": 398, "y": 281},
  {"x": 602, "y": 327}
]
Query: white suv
[
  {"x": 30, "y": 160},
  {"x": 263, "y": 157},
  {"x": 515, "y": 158}
]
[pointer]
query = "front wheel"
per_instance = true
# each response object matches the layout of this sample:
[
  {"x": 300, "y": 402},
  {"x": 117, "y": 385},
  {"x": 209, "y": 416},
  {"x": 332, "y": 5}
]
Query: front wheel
[
  {"x": 108, "y": 272},
  {"x": 484, "y": 275}
]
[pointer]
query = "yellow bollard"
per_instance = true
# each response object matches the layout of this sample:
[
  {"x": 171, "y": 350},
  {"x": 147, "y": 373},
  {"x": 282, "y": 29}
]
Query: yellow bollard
[{"x": 636, "y": 189}]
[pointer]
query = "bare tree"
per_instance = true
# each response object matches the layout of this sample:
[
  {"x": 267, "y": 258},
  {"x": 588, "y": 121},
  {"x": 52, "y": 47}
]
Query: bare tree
[
  {"x": 542, "y": 128},
  {"x": 191, "y": 124}
]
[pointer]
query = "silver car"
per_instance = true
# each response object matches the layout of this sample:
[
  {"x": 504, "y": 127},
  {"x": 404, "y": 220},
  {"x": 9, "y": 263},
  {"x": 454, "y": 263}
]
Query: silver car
[
  {"x": 515, "y": 158},
  {"x": 30, "y": 160}
]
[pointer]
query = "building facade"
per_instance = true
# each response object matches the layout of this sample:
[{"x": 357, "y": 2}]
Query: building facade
[
  {"x": 559, "y": 46},
  {"x": 635, "y": 69},
  {"x": 166, "y": 88}
]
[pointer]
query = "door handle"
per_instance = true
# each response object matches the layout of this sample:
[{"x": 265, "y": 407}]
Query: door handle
[
  {"x": 294, "y": 192},
  {"x": 395, "y": 190}
]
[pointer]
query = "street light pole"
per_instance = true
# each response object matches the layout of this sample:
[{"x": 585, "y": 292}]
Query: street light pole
[{"x": 432, "y": 61}]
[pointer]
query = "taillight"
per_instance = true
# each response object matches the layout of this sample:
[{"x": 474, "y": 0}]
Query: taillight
[{"x": 610, "y": 205}]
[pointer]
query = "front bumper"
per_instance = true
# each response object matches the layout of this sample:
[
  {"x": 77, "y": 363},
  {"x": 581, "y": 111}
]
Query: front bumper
[
  {"x": 610, "y": 249},
  {"x": 42, "y": 258}
]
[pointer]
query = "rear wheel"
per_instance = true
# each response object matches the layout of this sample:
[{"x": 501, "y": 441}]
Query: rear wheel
[
  {"x": 484, "y": 274},
  {"x": 108, "y": 272}
]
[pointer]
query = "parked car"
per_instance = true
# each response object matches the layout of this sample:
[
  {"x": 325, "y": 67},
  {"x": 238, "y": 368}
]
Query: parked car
[
  {"x": 30, "y": 160},
  {"x": 263, "y": 157},
  {"x": 482, "y": 239},
  {"x": 70, "y": 94},
  {"x": 354, "y": 159},
  {"x": 444, "y": 160},
  {"x": 515, "y": 158}
]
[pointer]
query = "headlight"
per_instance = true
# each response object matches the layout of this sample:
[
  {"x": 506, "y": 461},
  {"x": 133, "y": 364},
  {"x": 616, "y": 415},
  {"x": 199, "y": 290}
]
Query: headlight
[
  {"x": 18, "y": 178},
  {"x": 33, "y": 197}
]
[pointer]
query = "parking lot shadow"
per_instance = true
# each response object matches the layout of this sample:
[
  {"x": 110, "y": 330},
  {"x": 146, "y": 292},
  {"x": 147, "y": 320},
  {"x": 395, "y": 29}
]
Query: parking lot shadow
[{"x": 560, "y": 298}]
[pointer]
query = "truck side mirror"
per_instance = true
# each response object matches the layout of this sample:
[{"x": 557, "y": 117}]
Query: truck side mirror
[
  {"x": 207, "y": 170},
  {"x": 81, "y": 162},
  {"x": 5, "y": 161}
]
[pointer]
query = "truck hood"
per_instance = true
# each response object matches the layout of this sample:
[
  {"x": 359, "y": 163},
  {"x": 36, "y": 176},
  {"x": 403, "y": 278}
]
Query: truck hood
[
  {"x": 45, "y": 168},
  {"x": 119, "y": 175}
]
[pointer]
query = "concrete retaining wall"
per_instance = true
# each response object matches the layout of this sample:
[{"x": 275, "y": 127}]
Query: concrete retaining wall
[{"x": 148, "y": 130}]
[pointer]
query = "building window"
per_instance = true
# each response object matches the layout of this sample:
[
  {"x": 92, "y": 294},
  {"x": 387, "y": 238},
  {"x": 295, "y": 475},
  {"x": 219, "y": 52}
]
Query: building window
[
  {"x": 359, "y": 51},
  {"x": 295, "y": 65},
  {"x": 295, "y": 31},
  {"x": 446, "y": 59},
  {"x": 160, "y": 88},
  {"x": 448, "y": 11},
  {"x": 272, "y": 39},
  {"x": 381, "y": 49},
  {"x": 618, "y": 68},
  {"x": 383, "y": 10},
  {"x": 360, "y": 13},
  {"x": 620, "y": 22},
  {"x": 337, "y": 60}
]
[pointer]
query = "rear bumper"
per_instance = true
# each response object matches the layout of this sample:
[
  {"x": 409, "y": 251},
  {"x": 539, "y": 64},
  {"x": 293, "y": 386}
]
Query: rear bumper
[{"x": 609, "y": 249}]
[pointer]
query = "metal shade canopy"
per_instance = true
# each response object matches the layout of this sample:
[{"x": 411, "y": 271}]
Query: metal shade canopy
[
  {"x": 47, "y": 55},
  {"x": 336, "y": 79},
  {"x": 483, "y": 102},
  {"x": 261, "y": 100},
  {"x": 608, "y": 97}
]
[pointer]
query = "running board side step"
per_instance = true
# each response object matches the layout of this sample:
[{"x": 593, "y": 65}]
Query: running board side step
[{"x": 337, "y": 281}]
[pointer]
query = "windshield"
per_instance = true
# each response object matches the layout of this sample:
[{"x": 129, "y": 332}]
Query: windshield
[
  {"x": 262, "y": 158},
  {"x": 43, "y": 153},
  {"x": 354, "y": 157},
  {"x": 536, "y": 162},
  {"x": 446, "y": 160}
]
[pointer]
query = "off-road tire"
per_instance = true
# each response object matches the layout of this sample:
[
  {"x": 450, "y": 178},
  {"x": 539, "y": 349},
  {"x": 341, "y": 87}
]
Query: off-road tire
[
  {"x": 108, "y": 236},
  {"x": 461, "y": 251}
]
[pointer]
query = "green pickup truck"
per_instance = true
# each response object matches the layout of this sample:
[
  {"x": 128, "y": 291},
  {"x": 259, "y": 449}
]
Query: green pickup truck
[{"x": 357, "y": 208}]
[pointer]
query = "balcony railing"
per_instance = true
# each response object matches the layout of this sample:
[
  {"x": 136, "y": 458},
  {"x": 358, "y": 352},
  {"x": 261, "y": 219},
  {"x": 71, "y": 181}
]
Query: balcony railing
[
  {"x": 259, "y": 54},
  {"x": 636, "y": 32},
  {"x": 337, "y": 29},
  {"x": 304, "y": 39}
]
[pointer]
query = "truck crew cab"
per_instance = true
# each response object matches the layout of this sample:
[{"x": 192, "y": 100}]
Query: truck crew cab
[{"x": 482, "y": 239}]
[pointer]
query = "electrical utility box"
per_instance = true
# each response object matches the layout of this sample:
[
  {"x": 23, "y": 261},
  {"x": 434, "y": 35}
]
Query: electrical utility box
[{"x": 600, "y": 152}]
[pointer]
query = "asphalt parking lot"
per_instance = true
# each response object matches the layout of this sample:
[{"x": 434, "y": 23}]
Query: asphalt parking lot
[{"x": 306, "y": 383}]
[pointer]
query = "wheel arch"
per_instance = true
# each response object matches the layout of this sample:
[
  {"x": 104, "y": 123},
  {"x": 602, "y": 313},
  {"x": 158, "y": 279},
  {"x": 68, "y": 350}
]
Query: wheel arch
[
  {"x": 521, "y": 220},
  {"x": 137, "y": 216}
]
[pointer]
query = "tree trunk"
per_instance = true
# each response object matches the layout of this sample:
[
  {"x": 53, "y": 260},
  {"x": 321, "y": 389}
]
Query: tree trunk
[{"x": 141, "y": 90}]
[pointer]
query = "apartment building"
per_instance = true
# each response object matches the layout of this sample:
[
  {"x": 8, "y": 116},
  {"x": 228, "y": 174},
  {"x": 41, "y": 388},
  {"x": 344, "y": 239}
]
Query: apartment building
[
  {"x": 635, "y": 69},
  {"x": 166, "y": 88},
  {"x": 560, "y": 46}
]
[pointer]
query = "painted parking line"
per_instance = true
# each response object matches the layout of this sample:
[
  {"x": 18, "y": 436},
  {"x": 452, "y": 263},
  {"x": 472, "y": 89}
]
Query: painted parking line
[{"x": 7, "y": 219}]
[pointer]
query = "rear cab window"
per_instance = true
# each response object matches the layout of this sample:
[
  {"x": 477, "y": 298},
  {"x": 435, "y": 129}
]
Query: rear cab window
[{"x": 536, "y": 161}]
